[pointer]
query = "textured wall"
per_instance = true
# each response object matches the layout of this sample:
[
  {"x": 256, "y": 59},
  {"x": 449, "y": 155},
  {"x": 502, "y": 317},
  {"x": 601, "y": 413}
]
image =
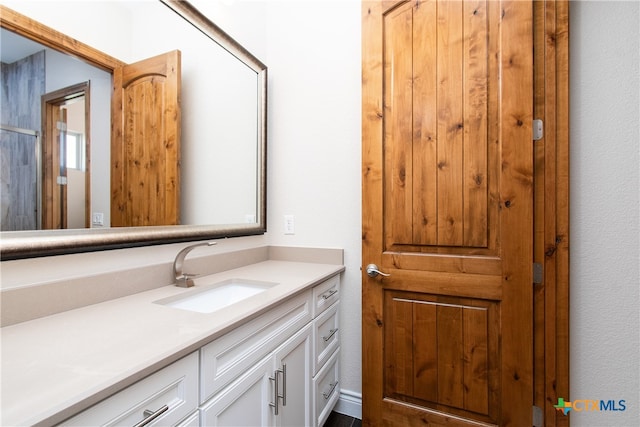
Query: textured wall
[{"x": 604, "y": 209}]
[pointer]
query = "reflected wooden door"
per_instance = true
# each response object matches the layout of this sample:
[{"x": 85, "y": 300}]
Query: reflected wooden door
[
  {"x": 54, "y": 169},
  {"x": 58, "y": 188},
  {"x": 447, "y": 212},
  {"x": 145, "y": 142}
]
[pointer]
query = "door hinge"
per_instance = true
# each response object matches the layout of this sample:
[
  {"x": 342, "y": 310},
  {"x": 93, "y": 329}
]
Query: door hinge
[
  {"x": 61, "y": 180},
  {"x": 538, "y": 416},
  {"x": 538, "y": 273},
  {"x": 61, "y": 126},
  {"x": 538, "y": 129}
]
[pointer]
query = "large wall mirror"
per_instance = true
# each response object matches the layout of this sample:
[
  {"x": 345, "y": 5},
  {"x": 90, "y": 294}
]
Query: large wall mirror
[{"x": 222, "y": 133}]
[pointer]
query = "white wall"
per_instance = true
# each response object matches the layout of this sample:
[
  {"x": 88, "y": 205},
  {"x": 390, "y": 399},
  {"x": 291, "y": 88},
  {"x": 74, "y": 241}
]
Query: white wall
[
  {"x": 63, "y": 71},
  {"x": 314, "y": 143},
  {"x": 605, "y": 356}
]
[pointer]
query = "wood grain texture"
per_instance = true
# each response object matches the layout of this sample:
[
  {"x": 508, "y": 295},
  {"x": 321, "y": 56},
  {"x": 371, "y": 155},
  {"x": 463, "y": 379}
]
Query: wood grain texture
[
  {"x": 49, "y": 37},
  {"x": 426, "y": 356},
  {"x": 425, "y": 122},
  {"x": 438, "y": 127},
  {"x": 372, "y": 188},
  {"x": 398, "y": 109},
  {"x": 516, "y": 192},
  {"x": 459, "y": 155},
  {"x": 551, "y": 302},
  {"x": 449, "y": 66},
  {"x": 145, "y": 146},
  {"x": 475, "y": 122},
  {"x": 437, "y": 353}
]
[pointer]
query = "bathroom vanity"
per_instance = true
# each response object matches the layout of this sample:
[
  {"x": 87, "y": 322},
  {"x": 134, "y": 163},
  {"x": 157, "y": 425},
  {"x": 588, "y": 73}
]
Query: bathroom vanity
[{"x": 269, "y": 357}]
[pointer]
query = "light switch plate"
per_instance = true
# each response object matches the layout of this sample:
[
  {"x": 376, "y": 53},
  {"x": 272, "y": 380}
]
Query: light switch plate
[
  {"x": 97, "y": 219},
  {"x": 289, "y": 224}
]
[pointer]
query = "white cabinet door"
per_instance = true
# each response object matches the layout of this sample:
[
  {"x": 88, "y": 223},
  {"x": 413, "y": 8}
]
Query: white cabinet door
[
  {"x": 251, "y": 399},
  {"x": 294, "y": 362},
  {"x": 245, "y": 402}
]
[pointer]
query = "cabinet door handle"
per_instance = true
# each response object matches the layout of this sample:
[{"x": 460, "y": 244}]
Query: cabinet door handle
[
  {"x": 332, "y": 332},
  {"x": 274, "y": 404},
  {"x": 329, "y": 294},
  {"x": 150, "y": 416},
  {"x": 276, "y": 390},
  {"x": 284, "y": 384},
  {"x": 331, "y": 390}
]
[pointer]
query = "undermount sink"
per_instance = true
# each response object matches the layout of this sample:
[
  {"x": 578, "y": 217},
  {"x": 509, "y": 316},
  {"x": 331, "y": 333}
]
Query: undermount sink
[{"x": 209, "y": 298}]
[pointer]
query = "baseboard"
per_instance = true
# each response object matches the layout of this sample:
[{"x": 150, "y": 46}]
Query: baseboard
[{"x": 349, "y": 403}]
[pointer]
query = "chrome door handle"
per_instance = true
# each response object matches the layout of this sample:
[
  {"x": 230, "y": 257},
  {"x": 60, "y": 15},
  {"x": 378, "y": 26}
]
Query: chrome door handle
[
  {"x": 284, "y": 384},
  {"x": 276, "y": 389},
  {"x": 372, "y": 271}
]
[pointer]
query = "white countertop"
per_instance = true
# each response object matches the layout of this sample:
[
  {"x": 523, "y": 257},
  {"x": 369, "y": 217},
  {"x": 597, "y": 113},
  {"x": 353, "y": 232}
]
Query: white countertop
[{"x": 55, "y": 366}]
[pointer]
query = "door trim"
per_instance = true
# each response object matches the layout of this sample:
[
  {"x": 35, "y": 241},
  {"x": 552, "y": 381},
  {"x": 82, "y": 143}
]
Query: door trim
[
  {"x": 551, "y": 204},
  {"x": 51, "y": 101}
]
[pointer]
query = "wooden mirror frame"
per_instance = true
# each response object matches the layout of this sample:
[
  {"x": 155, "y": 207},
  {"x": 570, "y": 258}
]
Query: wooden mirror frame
[{"x": 28, "y": 244}]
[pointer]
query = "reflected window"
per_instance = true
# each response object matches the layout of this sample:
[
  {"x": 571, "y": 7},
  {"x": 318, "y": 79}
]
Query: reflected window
[{"x": 75, "y": 151}]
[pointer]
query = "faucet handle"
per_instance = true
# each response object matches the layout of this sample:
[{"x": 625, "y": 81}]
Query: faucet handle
[{"x": 185, "y": 280}]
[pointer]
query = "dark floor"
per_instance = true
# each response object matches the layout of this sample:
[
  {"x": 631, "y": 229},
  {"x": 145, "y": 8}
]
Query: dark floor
[{"x": 339, "y": 420}]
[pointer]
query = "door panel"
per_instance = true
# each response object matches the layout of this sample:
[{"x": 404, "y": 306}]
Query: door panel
[
  {"x": 440, "y": 353},
  {"x": 447, "y": 211},
  {"x": 145, "y": 147},
  {"x": 436, "y": 92}
]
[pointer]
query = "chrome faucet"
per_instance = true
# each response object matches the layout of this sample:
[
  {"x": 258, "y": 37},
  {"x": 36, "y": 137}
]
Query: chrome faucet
[{"x": 185, "y": 280}]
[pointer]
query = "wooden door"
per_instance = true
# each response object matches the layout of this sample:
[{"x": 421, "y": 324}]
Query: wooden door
[
  {"x": 54, "y": 170},
  {"x": 447, "y": 212},
  {"x": 145, "y": 142}
]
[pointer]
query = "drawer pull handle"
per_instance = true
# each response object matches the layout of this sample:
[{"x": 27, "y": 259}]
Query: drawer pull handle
[
  {"x": 333, "y": 387},
  {"x": 329, "y": 294},
  {"x": 151, "y": 415},
  {"x": 332, "y": 332}
]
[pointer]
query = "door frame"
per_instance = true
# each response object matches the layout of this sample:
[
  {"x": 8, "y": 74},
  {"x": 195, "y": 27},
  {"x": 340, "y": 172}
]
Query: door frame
[
  {"x": 551, "y": 208},
  {"x": 50, "y": 102}
]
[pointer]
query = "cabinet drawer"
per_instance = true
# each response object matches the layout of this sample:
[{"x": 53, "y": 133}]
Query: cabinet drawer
[
  {"x": 175, "y": 387},
  {"x": 326, "y": 389},
  {"x": 192, "y": 421},
  {"x": 325, "y": 294},
  {"x": 326, "y": 336},
  {"x": 236, "y": 352}
]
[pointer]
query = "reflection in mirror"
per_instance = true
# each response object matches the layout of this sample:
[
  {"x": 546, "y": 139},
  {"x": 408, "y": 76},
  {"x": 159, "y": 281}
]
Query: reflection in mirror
[
  {"x": 37, "y": 80},
  {"x": 223, "y": 106}
]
